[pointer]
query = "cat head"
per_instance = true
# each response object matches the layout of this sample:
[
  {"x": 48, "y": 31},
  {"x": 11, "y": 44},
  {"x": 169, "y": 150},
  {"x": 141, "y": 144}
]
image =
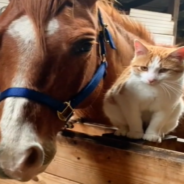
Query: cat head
[{"x": 153, "y": 64}]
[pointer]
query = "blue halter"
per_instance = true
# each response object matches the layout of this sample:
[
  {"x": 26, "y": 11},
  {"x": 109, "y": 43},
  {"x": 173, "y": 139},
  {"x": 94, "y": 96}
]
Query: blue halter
[{"x": 65, "y": 109}]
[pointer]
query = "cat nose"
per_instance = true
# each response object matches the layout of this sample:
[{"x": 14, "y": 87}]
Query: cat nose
[{"x": 152, "y": 81}]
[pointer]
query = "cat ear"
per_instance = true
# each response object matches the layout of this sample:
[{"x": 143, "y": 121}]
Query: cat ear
[
  {"x": 178, "y": 54},
  {"x": 140, "y": 49}
]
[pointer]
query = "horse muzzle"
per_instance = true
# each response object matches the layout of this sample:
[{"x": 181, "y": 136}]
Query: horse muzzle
[{"x": 21, "y": 165}]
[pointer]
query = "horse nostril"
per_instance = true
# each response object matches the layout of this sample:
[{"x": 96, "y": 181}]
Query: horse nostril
[
  {"x": 33, "y": 158},
  {"x": 24, "y": 165}
]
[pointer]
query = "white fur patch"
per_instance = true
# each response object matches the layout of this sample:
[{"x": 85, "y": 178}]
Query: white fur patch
[
  {"x": 17, "y": 133},
  {"x": 153, "y": 70},
  {"x": 12, "y": 122},
  {"x": 53, "y": 27},
  {"x": 23, "y": 30},
  {"x": 155, "y": 62},
  {"x": 18, "y": 136}
]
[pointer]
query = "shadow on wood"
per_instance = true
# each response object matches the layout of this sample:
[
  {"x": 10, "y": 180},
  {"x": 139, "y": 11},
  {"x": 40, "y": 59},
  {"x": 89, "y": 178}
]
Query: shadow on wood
[{"x": 103, "y": 160}]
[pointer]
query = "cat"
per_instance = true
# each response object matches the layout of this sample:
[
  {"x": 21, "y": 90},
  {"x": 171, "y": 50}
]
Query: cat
[{"x": 149, "y": 90}]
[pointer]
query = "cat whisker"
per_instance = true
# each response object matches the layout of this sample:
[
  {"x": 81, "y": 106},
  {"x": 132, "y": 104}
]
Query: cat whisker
[
  {"x": 173, "y": 83},
  {"x": 164, "y": 88},
  {"x": 179, "y": 90},
  {"x": 172, "y": 89}
]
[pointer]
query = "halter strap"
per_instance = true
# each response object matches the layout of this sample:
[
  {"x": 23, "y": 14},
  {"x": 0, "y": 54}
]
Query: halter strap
[
  {"x": 61, "y": 108},
  {"x": 65, "y": 109}
]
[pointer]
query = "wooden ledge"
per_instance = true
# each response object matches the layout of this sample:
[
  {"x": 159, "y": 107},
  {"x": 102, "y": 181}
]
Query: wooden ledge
[
  {"x": 90, "y": 159},
  {"x": 170, "y": 142},
  {"x": 139, "y": 146}
]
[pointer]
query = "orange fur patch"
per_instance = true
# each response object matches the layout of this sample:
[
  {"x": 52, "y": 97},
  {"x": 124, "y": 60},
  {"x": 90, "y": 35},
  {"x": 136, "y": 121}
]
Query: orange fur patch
[{"x": 166, "y": 62}]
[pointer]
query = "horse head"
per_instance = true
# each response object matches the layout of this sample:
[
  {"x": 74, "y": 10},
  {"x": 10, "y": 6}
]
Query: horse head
[
  {"x": 53, "y": 58},
  {"x": 50, "y": 48}
]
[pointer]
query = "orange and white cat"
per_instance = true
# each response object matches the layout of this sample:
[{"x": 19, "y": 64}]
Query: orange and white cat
[{"x": 150, "y": 90}]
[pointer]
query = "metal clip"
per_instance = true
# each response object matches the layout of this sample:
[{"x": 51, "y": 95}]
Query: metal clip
[
  {"x": 69, "y": 125},
  {"x": 104, "y": 58},
  {"x": 104, "y": 27},
  {"x": 66, "y": 113}
]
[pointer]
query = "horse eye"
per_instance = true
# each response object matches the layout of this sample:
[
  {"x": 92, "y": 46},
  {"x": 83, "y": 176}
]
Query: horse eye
[
  {"x": 144, "y": 68},
  {"x": 82, "y": 47},
  {"x": 163, "y": 70}
]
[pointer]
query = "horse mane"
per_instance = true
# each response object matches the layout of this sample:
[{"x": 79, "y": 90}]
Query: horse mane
[
  {"x": 136, "y": 28},
  {"x": 41, "y": 11},
  {"x": 128, "y": 23}
]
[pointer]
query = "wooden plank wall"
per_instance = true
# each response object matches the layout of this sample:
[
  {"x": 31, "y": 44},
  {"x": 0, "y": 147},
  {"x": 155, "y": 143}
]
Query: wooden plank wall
[
  {"x": 159, "y": 24},
  {"x": 174, "y": 6}
]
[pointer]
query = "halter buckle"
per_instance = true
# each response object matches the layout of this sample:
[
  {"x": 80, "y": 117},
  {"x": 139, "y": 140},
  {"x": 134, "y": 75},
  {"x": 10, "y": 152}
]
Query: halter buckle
[
  {"x": 104, "y": 58},
  {"x": 66, "y": 113},
  {"x": 104, "y": 27}
]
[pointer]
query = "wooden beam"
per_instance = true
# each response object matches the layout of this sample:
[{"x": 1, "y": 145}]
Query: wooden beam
[
  {"x": 99, "y": 160},
  {"x": 174, "y": 8},
  {"x": 170, "y": 142}
]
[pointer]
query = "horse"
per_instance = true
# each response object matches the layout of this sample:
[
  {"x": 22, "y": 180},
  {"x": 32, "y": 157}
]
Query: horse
[{"x": 56, "y": 57}]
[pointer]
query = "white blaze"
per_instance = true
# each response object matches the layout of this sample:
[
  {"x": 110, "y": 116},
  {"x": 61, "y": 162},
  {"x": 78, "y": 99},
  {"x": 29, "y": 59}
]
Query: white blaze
[{"x": 18, "y": 134}]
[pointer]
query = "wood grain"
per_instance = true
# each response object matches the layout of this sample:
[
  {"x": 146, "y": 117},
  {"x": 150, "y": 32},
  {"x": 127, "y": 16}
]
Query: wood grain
[
  {"x": 43, "y": 179},
  {"x": 84, "y": 159},
  {"x": 92, "y": 129},
  {"x": 174, "y": 9},
  {"x": 89, "y": 162}
]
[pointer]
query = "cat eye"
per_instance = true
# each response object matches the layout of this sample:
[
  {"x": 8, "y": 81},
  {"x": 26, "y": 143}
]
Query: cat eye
[
  {"x": 163, "y": 70},
  {"x": 144, "y": 68}
]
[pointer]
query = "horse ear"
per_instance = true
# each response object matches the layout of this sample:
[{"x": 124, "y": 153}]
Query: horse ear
[
  {"x": 178, "y": 54},
  {"x": 140, "y": 48}
]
